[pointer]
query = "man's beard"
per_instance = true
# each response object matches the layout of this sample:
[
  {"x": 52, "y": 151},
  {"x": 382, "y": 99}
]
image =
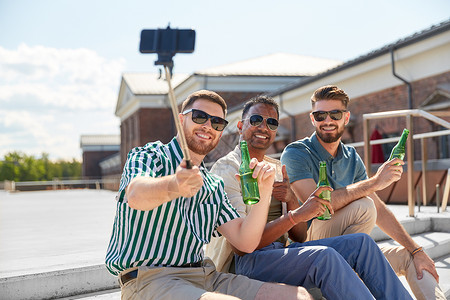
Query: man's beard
[
  {"x": 200, "y": 148},
  {"x": 330, "y": 137}
]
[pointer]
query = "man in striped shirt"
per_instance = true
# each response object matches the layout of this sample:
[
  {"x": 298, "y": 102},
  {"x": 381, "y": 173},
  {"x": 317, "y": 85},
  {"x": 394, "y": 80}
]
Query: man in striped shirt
[{"x": 167, "y": 212}]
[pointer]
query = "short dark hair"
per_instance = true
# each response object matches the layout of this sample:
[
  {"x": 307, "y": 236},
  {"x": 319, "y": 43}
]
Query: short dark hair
[
  {"x": 330, "y": 92},
  {"x": 207, "y": 95},
  {"x": 263, "y": 99}
]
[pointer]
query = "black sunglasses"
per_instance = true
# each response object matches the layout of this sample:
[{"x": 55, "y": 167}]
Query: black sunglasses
[
  {"x": 321, "y": 115},
  {"x": 200, "y": 117},
  {"x": 256, "y": 120}
]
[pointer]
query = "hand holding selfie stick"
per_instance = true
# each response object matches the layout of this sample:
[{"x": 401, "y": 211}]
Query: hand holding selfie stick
[{"x": 166, "y": 43}]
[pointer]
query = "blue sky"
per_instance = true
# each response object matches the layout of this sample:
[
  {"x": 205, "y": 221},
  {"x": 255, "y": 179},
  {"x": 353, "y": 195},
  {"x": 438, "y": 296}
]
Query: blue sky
[{"x": 61, "y": 61}]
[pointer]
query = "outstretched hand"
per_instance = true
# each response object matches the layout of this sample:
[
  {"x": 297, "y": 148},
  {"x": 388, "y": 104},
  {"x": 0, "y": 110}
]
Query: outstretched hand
[{"x": 186, "y": 182}]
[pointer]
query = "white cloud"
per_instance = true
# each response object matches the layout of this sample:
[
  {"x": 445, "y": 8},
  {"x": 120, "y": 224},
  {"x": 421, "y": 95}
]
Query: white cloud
[
  {"x": 49, "y": 97},
  {"x": 72, "y": 78}
]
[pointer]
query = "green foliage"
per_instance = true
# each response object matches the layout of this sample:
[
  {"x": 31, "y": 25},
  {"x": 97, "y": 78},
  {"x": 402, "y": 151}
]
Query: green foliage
[{"x": 18, "y": 166}]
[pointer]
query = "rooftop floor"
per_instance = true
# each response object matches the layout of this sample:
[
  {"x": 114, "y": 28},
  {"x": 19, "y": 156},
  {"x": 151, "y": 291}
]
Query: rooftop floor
[{"x": 48, "y": 231}]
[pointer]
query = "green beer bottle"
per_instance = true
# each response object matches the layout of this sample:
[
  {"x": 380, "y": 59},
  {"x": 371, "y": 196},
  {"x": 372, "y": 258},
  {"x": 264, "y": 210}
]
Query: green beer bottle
[
  {"x": 249, "y": 185},
  {"x": 399, "y": 150},
  {"x": 326, "y": 195}
]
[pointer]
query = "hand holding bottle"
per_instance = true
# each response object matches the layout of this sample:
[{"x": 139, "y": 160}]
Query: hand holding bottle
[
  {"x": 314, "y": 206},
  {"x": 389, "y": 172},
  {"x": 265, "y": 175},
  {"x": 325, "y": 194}
]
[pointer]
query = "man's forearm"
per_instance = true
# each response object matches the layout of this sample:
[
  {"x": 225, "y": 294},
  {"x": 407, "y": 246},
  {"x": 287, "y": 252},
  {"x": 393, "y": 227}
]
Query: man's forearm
[
  {"x": 250, "y": 229},
  {"x": 146, "y": 193},
  {"x": 389, "y": 224},
  {"x": 273, "y": 230},
  {"x": 297, "y": 233},
  {"x": 343, "y": 196}
]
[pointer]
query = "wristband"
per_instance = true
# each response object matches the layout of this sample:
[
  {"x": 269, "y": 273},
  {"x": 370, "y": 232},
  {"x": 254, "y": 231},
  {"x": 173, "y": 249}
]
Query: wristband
[
  {"x": 417, "y": 250},
  {"x": 291, "y": 218}
]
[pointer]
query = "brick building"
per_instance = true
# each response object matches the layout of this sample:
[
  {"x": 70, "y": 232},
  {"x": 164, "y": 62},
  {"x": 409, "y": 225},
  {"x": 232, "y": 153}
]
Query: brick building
[
  {"x": 422, "y": 60},
  {"x": 144, "y": 110},
  {"x": 97, "y": 148}
]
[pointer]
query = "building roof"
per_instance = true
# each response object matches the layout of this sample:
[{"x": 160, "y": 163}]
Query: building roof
[
  {"x": 151, "y": 84},
  {"x": 276, "y": 64},
  {"x": 100, "y": 140},
  {"x": 414, "y": 38},
  {"x": 439, "y": 99}
]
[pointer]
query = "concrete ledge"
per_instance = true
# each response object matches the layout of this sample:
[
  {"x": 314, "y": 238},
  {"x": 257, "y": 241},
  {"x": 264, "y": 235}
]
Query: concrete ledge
[
  {"x": 411, "y": 225},
  {"x": 435, "y": 244},
  {"x": 57, "y": 284},
  {"x": 441, "y": 224}
]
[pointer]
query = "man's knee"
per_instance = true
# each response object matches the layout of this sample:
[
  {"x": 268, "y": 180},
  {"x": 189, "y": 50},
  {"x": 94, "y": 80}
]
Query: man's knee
[
  {"x": 366, "y": 210},
  {"x": 365, "y": 241},
  {"x": 325, "y": 257}
]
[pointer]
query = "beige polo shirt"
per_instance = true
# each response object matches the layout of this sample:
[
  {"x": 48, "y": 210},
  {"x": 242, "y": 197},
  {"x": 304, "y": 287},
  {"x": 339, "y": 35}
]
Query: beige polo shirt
[{"x": 219, "y": 250}]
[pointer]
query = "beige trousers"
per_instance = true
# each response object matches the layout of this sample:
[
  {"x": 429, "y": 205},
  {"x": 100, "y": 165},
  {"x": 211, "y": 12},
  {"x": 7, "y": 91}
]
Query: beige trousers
[
  {"x": 170, "y": 283},
  {"x": 360, "y": 216}
]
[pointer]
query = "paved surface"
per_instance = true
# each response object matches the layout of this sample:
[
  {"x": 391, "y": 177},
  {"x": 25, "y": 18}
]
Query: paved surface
[{"x": 54, "y": 230}]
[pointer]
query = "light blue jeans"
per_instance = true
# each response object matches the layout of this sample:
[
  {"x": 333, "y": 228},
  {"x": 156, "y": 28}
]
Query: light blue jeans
[{"x": 329, "y": 264}]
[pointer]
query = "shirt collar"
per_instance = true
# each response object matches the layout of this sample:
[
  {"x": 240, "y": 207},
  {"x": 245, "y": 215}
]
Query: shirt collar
[
  {"x": 176, "y": 146},
  {"x": 324, "y": 154}
]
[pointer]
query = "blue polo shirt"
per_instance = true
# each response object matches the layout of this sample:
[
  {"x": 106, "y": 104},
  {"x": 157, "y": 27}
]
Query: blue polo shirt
[{"x": 302, "y": 161}]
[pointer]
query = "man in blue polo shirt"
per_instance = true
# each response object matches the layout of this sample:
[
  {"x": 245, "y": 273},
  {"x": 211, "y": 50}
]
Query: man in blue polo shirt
[{"x": 355, "y": 202}]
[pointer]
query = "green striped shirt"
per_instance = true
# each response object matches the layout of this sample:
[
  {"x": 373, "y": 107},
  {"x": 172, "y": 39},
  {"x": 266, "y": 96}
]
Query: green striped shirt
[{"x": 174, "y": 232}]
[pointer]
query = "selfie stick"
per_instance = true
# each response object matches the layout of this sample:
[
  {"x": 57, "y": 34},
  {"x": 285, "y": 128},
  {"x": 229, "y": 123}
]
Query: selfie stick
[
  {"x": 166, "y": 43},
  {"x": 182, "y": 138}
]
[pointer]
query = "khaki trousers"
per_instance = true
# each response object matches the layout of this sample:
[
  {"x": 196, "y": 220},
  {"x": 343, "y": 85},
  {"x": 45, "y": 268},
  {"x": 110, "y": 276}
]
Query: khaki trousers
[
  {"x": 360, "y": 216},
  {"x": 170, "y": 283}
]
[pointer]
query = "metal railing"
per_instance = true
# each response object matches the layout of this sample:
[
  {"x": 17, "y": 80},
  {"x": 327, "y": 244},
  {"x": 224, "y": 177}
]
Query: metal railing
[
  {"x": 59, "y": 184},
  {"x": 409, "y": 114}
]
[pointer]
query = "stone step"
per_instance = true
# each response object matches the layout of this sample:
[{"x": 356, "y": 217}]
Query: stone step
[
  {"x": 113, "y": 294},
  {"x": 75, "y": 282},
  {"x": 415, "y": 226},
  {"x": 57, "y": 284},
  {"x": 435, "y": 244}
]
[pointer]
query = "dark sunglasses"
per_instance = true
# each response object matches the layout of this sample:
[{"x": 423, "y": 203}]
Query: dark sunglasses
[
  {"x": 256, "y": 120},
  {"x": 321, "y": 115},
  {"x": 200, "y": 117}
]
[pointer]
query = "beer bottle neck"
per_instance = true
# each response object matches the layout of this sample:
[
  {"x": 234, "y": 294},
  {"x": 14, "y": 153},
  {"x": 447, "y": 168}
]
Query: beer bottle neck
[
  {"x": 322, "y": 173},
  {"x": 403, "y": 139},
  {"x": 245, "y": 156}
]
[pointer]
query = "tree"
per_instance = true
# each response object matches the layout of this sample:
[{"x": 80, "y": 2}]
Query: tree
[{"x": 17, "y": 166}]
